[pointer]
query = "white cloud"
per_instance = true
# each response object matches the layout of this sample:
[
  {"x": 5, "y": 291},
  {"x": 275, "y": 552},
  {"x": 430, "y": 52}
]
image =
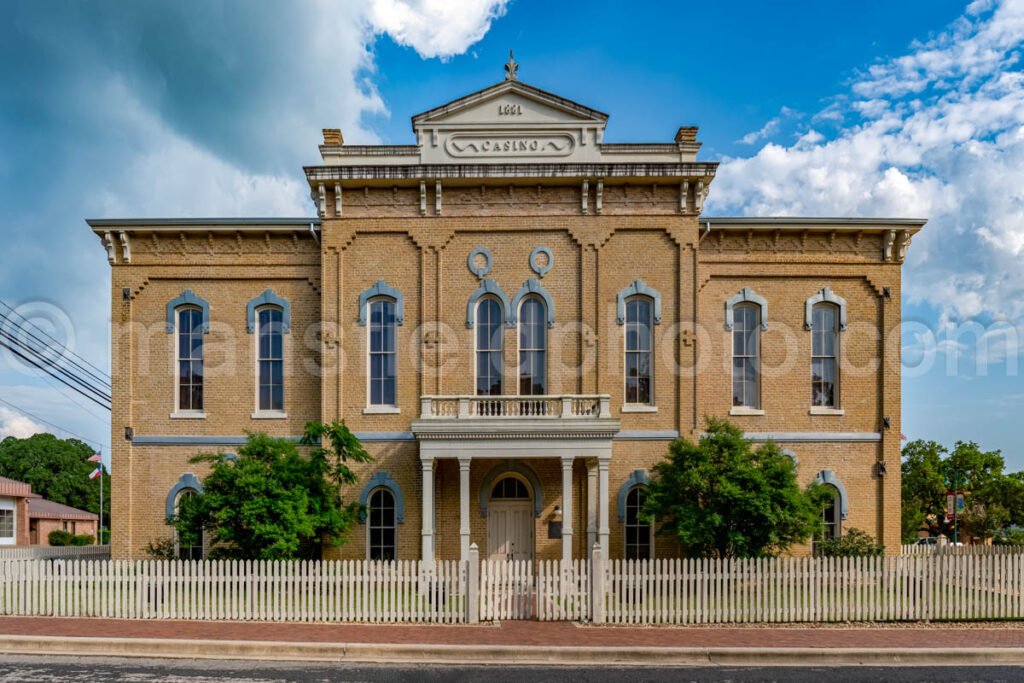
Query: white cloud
[
  {"x": 435, "y": 28},
  {"x": 769, "y": 129},
  {"x": 13, "y": 423},
  {"x": 937, "y": 133}
]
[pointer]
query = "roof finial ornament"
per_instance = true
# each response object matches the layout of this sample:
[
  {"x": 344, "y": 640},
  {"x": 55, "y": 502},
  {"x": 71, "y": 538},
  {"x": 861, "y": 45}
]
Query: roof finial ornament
[{"x": 510, "y": 68}]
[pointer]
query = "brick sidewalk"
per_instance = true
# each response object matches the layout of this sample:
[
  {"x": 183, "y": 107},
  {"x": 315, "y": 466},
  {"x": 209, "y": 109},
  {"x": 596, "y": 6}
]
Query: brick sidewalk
[{"x": 530, "y": 633}]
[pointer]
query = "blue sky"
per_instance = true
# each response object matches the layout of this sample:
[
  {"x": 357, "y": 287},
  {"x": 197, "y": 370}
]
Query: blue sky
[{"x": 813, "y": 108}]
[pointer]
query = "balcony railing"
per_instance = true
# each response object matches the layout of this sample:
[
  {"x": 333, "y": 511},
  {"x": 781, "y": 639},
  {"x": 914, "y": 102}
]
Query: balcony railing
[{"x": 565, "y": 406}]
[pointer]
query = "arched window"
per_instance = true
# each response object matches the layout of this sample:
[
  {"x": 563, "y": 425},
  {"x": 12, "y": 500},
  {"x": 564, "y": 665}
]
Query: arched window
[
  {"x": 190, "y": 359},
  {"x": 830, "y": 515},
  {"x": 381, "y": 543},
  {"x": 490, "y": 359},
  {"x": 638, "y": 532},
  {"x": 510, "y": 488},
  {"x": 824, "y": 356},
  {"x": 746, "y": 356},
  {"x": 190, "y": 547},
  {"x": 533, "y": 344},
  {"x": 639, "y": 351},
  {"x": 383, "y": 363},
  {"x": 270, "y": 359}
]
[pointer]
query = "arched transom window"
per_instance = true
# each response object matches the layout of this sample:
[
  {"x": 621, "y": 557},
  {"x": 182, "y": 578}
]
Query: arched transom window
[{"x": 510, "y": 488}]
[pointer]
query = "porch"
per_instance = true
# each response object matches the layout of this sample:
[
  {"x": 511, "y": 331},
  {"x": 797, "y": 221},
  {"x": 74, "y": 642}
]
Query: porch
[{"x": 519, "y": 431}]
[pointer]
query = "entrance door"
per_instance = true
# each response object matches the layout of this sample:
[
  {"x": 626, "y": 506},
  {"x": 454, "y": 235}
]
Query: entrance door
[{"x": 510, "y": 530}]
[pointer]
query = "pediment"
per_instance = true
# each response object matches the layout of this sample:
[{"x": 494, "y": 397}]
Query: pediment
[{"x": 510, "y": 121}]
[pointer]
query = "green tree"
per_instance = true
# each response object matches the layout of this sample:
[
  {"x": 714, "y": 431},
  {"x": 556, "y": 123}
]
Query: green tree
[
  {"x": 924, "y": 486},
  {"x": 272, "y": 502},
  {"x": 854, "y": 543},
  {"x": 722, "y": 498},
  {"x": 57, "y": 469}
]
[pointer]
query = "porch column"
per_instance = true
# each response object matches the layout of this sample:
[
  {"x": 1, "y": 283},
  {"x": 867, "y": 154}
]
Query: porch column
[
  {"x": 567, "y": 509},
  {"x": 464, "y": 509},
  {"x": 602, "y": 504},
  {"x": 591, "y": 503},
  {"x": 427, "y": 547}
]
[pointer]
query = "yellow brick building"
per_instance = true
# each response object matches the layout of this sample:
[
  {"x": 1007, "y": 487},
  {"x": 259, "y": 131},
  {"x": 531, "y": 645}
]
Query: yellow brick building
[{"x": 516, "y": 318}]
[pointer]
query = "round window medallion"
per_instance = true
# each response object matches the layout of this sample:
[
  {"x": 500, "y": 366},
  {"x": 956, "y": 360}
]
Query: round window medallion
[
  {"x": 541, "y": 260},
  {"x": 480, "y": 262}
]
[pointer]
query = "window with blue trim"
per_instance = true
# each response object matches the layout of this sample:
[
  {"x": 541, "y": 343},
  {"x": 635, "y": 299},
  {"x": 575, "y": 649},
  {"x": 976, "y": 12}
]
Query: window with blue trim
[
  {"x": 270, "y": 361},
  {"x": 189, "y": 546},
  {"x": 381, "y": 528},
  {"x": 190, "y": 359},
  {"x": 638, "y": 532},
  {"x": 746, "y": 352},
  {"x": 825, "y": 355},
  {"x": 383, "y": 353},
  {"x": 490, "y": 356},
  {"x": 533, "y": 342},
  {"x": 830, "y": 517},
  {"x": 639, "y": 351}
]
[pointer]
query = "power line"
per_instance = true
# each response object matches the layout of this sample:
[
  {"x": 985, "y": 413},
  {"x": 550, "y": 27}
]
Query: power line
[
  {"x": 55, "y": 376},
  {"x": 52, "y": 369},
  {"x": 55, "y": 426},
  {"x": 100, "y": 375}
]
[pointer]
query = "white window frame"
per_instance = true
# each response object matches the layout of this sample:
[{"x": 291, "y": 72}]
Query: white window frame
[
  {"x": 651, "y": 405},
  {"x": 755, "y": 408},
  {"x": 369, "y": 522},
  {"x": 380, "y": 408},
  {"x": 520, "y": 350},
  {"x": 476, "y": 348},
  {"x": 836, "y": 407},
  {"x": 626, "y": 525},
  {"x": 261, "y": 413},
  {"x": 178, "y": 412}
]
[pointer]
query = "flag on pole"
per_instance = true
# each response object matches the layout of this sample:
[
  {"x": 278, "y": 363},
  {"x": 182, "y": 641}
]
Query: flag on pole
[
  {"x": 96, "y": 472},
  {"x": 96, "y": 458}
]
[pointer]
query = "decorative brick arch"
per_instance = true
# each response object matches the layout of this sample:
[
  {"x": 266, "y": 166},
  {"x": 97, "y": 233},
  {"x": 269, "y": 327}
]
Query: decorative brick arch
[{"x": 511, "y": 467}]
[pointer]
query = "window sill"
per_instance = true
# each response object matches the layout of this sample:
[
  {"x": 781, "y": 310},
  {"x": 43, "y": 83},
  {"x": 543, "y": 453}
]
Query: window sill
[
  {"x": 821, "y": 410},
  {"x": 189, "y": 415},
  {"x": 381, "y": 410},
  {"x": 269, "y": 415},
  {"x": 744, "y": 410},
  {"x": 638, "y": 408}
]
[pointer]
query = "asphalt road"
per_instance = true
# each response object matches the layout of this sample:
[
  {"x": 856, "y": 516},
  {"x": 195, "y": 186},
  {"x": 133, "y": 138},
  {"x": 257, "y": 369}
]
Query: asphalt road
[{"x": 94, "y": 670}]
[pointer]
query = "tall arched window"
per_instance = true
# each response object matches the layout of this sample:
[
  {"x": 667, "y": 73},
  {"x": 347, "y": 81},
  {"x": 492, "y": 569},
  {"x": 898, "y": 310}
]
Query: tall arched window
[
  {"x": 383, "y": 363},
  {"x": 824, "y": 356},
  {"x": 190, "y": 546},
  {"x": 638, "y": 532},
  {"x": 490, "y": 361},
  {"x": 381, "y": 543},
  {"x": 746, "y": 355},
  {"x": 270, "y": 359},
  {"x": 639, "y": 351},
  {"x": 533, "y": 343},
  {"x": 190, "y": 359}
]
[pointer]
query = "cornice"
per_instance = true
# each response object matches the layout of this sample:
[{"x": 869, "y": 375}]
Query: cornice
[{"x": 475, "y": 172}]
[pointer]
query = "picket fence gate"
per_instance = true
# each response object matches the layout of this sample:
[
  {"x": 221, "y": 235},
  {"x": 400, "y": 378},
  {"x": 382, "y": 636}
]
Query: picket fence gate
[{"x": 940, "y": 586}]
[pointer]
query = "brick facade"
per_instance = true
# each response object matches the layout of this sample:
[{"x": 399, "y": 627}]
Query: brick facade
[{"x": 607, "y": 224}]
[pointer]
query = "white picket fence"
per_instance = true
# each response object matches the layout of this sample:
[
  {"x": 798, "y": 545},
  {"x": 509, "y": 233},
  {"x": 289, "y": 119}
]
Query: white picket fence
[
  {"x": 940, "y": 586},
  {"x": 47, "y": 552},
  {"x": 374, "y": 592},
  {"x": 949, "y": 548}
]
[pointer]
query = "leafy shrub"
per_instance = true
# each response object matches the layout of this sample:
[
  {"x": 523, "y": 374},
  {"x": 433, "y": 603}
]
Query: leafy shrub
[
  {"x": 59, "y": 537},
  {"x": 855, "y": 543},
  {"x": 164, "y": 549},
  {"x": 83, "y": 539}
]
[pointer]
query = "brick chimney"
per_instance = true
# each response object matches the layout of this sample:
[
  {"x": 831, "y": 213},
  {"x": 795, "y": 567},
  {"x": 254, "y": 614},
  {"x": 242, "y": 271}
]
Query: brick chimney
[
  {"x": 686, "y": 134},
  {"x": 332, "y": 136}
]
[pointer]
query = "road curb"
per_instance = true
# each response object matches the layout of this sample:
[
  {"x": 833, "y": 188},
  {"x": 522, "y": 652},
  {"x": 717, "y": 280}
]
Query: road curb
[{"x": 385, "y": 653}]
